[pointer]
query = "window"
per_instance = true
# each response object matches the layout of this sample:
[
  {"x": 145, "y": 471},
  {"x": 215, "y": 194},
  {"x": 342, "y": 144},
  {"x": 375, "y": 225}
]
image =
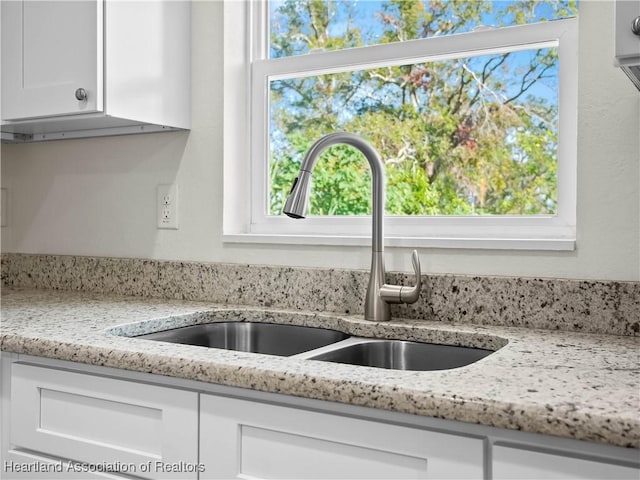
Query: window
[{"x": 476, "y": 124}]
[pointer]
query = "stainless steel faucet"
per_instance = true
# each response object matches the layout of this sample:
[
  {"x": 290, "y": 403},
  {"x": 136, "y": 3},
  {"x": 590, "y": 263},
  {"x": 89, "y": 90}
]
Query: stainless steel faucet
[{"x": 379, "y": 294}]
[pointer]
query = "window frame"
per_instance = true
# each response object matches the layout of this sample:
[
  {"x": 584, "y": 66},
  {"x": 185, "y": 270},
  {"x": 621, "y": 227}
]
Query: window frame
[{"x": 250, "y": 222}]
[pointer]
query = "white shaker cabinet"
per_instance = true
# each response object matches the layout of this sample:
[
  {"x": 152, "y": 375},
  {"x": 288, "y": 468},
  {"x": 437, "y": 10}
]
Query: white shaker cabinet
[
  {"x": 523, "y": 462},
  {"x": 50, "y": 50},
  {"x": 94, "y": 67},
  {"x": 627, "y": 41},
  {"x": 98, "y": 427},
  {"x": 627, "y": 38},
  {"x": 244, "y": 439}
]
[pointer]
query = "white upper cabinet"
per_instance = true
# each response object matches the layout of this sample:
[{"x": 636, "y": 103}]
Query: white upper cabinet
[
  {"x": 627, "y": 38},
  {"x": 94, "y": 67},
  {"x": 50, "y": 50},
  {"x": 627, "y": 28}
]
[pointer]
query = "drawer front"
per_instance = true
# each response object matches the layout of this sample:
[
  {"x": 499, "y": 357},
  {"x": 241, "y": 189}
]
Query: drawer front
[
  {"x": 519, "y": 463},
  {"x": 243, "y": 439},
  {"x": 140, "y": 429}
]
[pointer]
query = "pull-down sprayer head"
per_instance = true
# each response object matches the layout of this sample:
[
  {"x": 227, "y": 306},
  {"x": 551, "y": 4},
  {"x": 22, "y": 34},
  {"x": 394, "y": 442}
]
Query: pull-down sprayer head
[{"x": 298, "y": 199}]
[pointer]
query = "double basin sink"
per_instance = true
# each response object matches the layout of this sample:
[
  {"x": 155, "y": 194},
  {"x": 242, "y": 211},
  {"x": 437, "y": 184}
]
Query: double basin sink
[{"x": 321, "y": 344}]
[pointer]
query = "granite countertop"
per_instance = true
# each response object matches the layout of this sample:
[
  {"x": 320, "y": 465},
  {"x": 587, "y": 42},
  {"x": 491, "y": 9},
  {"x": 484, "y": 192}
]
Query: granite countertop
[{"x": 574, "y": 385}]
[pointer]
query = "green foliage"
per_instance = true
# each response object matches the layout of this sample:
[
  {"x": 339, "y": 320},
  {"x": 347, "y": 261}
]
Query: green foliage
[{"x": 458, "y": 137}]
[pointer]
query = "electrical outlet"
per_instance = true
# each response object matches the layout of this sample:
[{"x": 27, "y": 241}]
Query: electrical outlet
[
  {"x": 3, "y": 207},
  {"x": 167, "y": 202}
]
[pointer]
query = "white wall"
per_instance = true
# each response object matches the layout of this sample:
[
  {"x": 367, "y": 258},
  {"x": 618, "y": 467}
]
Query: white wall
[{"x": 97, "y": 196}]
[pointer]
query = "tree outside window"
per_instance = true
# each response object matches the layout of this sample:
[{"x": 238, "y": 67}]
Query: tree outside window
[{"x": 471, "y": 135}]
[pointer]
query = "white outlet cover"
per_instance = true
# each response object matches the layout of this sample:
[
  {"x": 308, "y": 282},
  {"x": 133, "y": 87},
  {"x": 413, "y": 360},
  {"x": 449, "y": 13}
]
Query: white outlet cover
[{"x": 167, "y": 207}]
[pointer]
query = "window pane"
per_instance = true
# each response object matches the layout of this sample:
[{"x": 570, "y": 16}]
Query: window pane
[
  {"x": 469, "y": 136},
  {"x": 302, "y": 26}
]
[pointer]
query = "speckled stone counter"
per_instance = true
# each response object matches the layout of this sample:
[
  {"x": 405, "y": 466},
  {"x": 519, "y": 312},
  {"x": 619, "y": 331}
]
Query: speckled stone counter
[{"x": 569, "y": 384}]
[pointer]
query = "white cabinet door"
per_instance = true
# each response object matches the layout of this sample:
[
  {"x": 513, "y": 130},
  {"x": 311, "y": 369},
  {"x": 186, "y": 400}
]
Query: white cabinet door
[
  {"x": 120, "y": 426},
  {"x": 511, "y": 463},
  {"x": 627, "y": 44},
  {"x": 244, "y": 439},
  {"x": 49, "y": 50}
]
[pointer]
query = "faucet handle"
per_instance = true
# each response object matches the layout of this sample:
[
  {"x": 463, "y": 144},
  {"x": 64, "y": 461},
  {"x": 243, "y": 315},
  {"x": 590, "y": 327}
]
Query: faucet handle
[
  {"x": 410, "y": 295},
  {"x": 401, "y": 294}
]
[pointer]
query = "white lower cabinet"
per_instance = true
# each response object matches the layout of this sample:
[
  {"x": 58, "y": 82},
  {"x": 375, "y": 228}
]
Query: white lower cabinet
[
  {"x": 59, "y": 422},
  {"x": 244, "y": 439},
  {"x": 511, "y": 462},
  {"x": 90, "y": 424}
]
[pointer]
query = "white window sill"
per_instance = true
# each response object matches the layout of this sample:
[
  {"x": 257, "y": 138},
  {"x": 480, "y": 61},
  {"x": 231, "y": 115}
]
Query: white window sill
[{"x": 538, "y": 244}]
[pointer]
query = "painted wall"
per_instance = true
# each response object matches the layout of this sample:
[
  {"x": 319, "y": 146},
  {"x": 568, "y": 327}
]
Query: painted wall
[{"x": 97, "y": 196}]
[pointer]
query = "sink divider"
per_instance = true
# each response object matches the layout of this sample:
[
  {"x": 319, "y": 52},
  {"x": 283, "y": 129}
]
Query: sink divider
[{"x": 310, "y": 354}]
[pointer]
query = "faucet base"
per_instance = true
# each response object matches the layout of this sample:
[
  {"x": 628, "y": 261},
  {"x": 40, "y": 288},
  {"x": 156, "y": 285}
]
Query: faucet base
[{"x": 375, "y": 308}]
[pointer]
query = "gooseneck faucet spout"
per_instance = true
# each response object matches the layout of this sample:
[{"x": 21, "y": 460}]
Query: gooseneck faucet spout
[{"x": 379, "y": 294}]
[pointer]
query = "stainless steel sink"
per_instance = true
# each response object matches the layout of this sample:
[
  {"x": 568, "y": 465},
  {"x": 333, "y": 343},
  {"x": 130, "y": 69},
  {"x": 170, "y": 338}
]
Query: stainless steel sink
[
  {"x": 271, "y": 333},
  {"x": 269, "y": 338},
  {"x": 402, "y": 355}
]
